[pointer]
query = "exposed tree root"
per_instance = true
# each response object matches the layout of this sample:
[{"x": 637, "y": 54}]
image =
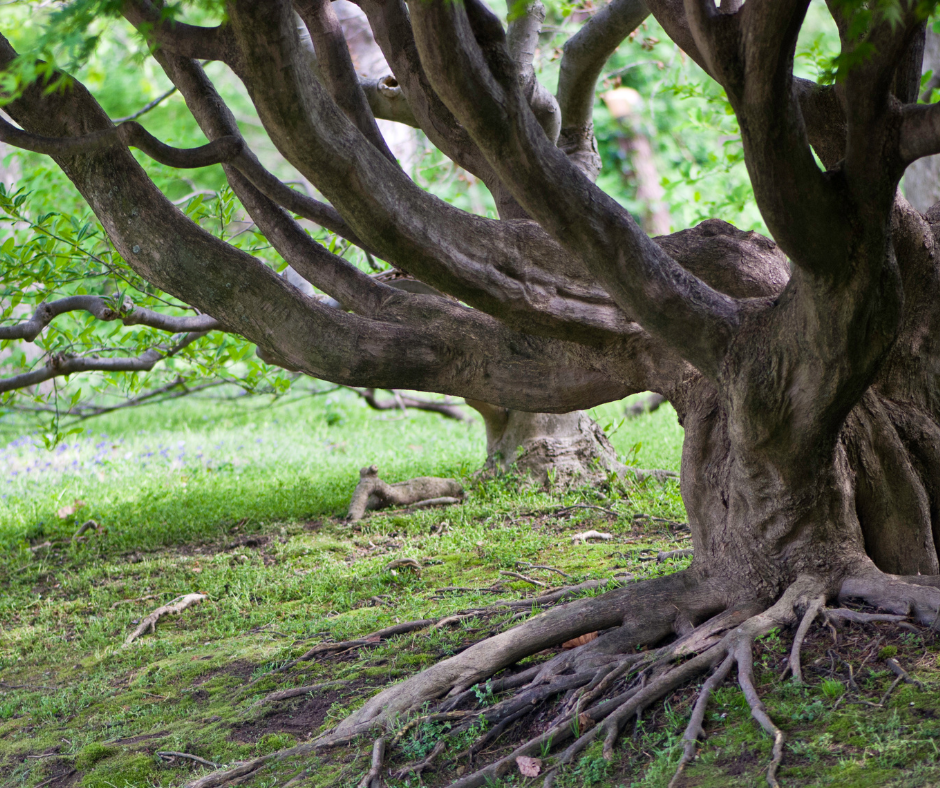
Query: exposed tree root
[
  {"x": 178, "y": 605},
  {"x": 606, "y": 683},
  {"x": 373, "y": 778},
  {"x": 373, "y": 493},
  {"x": 294, "y": 692}
]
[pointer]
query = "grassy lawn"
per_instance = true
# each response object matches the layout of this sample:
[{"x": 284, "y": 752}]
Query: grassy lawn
[{"x": 244, "y": 504}]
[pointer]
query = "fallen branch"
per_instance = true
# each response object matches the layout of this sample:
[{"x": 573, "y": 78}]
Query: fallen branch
[
  {"x": 524, "y": 579},
  {"x": 177, "y": 606},
  {"x": 373, "y": 493},
  {"x": 294, "y": 692},
  {"x": 585, "y": 535},
  {"x": 168, "y": 755}
]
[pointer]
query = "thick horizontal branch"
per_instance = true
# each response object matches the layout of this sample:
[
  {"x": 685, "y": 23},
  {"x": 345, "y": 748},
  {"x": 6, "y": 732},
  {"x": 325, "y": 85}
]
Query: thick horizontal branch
[
  {"x": 920, "y": 132},
  {"x": 205, "y": 43},
  {"x": 60, "y": 364},
  {"x": 131, "y": 134},
  {"x": 387, "y": 100},
  {"x": 103, "y": 309}
]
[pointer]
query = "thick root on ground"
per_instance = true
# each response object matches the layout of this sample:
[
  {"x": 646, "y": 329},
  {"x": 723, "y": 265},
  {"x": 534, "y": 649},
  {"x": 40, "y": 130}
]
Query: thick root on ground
[
  {"x": 373, "y": 493},
  {"x": 606, "y": 683}
]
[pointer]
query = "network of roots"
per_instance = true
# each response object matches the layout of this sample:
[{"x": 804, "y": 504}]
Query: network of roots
[{"x": 579, "y": 696}]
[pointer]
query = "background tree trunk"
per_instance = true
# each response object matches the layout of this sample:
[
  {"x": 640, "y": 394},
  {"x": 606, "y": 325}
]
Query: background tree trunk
[{"x": 556, "y": 448}]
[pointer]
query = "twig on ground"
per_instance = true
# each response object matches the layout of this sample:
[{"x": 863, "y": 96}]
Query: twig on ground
[
  {"x": 178, "y": 605},
  {"x": 417, "y": 768},
  {"x": 897, "y": 670},
  {"x": 524, "y": 579},
  {"x": 168, "y": 755},
  {"x": 526, "y": 564},
  {"x": 51, "y": 780},
  {"x": 293, "y": 692}
]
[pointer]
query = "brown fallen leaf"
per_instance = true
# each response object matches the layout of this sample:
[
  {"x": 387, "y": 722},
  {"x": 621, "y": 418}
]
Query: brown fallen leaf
[
  {"x": 529, "y": 767},
  {"x": 67, "y": 511},
  {"x": 575, "y": 642}
]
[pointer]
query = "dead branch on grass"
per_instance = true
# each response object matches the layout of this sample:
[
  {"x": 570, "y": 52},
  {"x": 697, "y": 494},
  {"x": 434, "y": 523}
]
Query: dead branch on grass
[
  {"x": 372, "y": 493},
  {"x": 177, "y": 606}
]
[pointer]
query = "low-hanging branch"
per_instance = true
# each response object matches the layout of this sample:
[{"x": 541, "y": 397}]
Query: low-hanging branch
[
  {"x": 61, "y": 364},
  {"x": 131, "y": 134},
  {"x": 104, "y": 309}
]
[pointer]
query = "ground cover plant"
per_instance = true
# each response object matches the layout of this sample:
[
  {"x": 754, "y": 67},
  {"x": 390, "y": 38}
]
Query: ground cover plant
[
  {"x": 283, "y": 573},
  {"x": 799, "y": 364}
]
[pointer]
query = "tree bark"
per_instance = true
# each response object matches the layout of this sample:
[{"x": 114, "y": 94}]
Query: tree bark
[{"x": 554, "y": 448}]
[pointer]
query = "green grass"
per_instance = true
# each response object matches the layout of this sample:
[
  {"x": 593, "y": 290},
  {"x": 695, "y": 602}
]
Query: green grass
[{"x": 257, "y": 528}]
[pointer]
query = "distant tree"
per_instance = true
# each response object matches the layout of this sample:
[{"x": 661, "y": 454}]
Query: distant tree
[{"x": 803, "y": 368}]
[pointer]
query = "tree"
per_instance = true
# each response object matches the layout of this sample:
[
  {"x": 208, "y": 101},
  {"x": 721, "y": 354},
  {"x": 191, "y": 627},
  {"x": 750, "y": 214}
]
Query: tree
[{"x": 802, "y": 367}]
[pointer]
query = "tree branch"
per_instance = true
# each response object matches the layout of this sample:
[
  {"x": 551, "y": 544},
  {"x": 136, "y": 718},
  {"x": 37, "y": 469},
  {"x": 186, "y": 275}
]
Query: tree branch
[
  {"x": 523, "y": 39},
  {"x": 336, "y": 68},
  {"x": 392, "y": 30},
  {"x": 387, "y": 101},
  {"x": 401, "y": 401},
  {"x": 415, "y": 342},
  {"x": 583, "y": 58},
  {"x": 353, "y": 289},
  {"x": 61, "y": 364},
  {"x": 130, "y": 134},
  {"x": 102, "y": 309},
  {"x": 478, "y": 82},
  {"x": 204, "y": 43}
]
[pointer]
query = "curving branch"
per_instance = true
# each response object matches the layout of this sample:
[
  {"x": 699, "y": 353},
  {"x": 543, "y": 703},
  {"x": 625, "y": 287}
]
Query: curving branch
[
  {"x": 399, "y": 401},
  {"x": 103, "y": 309},
  {"x": 414, "y": 342},
  {"x": 336, "y": 68},
  {"x": 479, "y": 83},
  {"x": 131, "y": 134},
  {"x": 522, "y": 39},
  {"x": 325, "y": 271},
  {"x": 205, "y": 43},
  {"x": 751, "y": 54},
  {"x": 62, "y": 364},
  {"x": 392, "y": 30},
  {"x": 583, "y": 58}
]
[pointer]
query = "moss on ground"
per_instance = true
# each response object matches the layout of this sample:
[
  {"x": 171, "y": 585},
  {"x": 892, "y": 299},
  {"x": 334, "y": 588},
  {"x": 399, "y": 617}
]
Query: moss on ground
[{"x": 78, "y": 708}]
